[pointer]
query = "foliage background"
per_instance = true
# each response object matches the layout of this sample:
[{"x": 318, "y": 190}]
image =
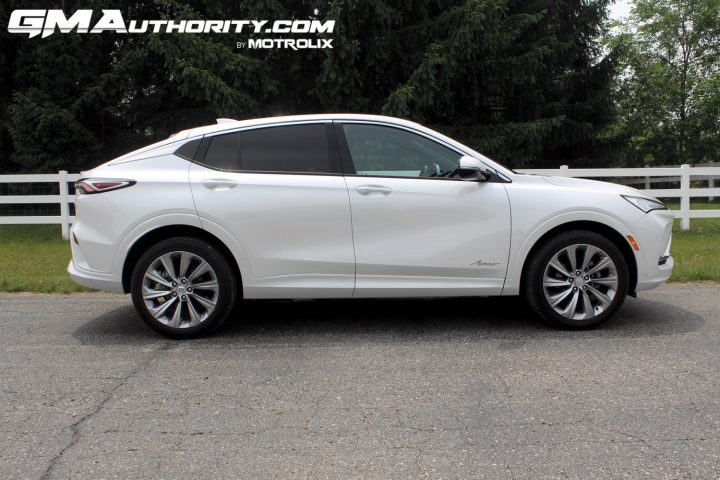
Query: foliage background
[{"x": 533, "y": 83}]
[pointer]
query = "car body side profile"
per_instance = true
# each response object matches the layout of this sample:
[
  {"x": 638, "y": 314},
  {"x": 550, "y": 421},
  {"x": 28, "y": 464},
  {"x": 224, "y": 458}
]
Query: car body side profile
[{"x": 354, "y": 206}]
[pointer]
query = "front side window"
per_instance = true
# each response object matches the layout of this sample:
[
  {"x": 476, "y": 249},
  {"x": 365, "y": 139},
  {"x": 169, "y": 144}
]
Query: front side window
[{"x": 393, "y": 152}]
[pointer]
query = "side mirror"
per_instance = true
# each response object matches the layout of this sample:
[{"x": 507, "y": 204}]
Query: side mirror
[{"x": 473, "y": 170}]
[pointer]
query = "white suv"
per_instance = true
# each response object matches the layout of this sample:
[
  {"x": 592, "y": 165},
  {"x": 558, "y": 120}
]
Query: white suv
[{"x": 344, "y": 205}]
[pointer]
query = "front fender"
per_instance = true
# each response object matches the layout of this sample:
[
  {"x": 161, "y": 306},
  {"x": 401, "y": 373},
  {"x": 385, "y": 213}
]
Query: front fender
[{"x": 519, "y": 254}]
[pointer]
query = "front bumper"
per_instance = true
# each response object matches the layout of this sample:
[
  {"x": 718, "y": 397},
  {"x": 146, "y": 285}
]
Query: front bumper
[
  {"x": 657, "y": 278},
  {"x": 653, "y": 233},
  {"x": 99, "y": 281}
]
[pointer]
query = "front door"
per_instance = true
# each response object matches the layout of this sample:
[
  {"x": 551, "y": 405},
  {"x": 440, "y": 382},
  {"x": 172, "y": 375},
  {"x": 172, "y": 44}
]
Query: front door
[{"x": 417, "y": 230}]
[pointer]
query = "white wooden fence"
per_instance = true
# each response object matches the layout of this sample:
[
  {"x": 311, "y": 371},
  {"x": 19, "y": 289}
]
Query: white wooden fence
[
  {"x": 63, "y": 198},
  {"x": 684, "y": 174}
]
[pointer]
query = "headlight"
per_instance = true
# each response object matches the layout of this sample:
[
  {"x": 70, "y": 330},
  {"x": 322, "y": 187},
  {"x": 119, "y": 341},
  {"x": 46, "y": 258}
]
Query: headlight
[{"x": 645, "y": 204}]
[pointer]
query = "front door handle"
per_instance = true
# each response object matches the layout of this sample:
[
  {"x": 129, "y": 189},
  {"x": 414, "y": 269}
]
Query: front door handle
[
  {"x": 219, "y": 184},
  {"x": 373, "y": 190}
]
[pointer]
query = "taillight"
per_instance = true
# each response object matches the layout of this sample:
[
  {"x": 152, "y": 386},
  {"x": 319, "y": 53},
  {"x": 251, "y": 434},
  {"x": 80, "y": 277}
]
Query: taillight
[{"x": 100, "y": 185}]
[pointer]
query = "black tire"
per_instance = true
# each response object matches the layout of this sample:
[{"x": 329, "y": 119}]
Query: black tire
[
  {"x": 535, "y": 291},
  {"x": 223, "y": 295}
]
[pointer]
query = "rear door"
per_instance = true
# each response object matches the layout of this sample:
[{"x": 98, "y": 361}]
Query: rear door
[
  {"x": 417, "y": 230},
  {"x": 280, "y": 193}
]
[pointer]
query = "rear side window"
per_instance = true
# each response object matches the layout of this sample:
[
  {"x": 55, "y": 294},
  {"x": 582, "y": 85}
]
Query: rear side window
[
  {"x": 308, "y": 148},
  {"x": 293, "y": 148},
  {"x": 222, "y": 152}
]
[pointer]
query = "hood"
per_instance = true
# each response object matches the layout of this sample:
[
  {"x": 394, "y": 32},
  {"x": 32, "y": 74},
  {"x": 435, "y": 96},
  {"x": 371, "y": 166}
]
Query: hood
[{"x": 593, "y": 185}]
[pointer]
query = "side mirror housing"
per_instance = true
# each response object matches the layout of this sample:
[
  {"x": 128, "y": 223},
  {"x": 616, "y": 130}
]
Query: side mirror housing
[{"x": 473, "y": 170}]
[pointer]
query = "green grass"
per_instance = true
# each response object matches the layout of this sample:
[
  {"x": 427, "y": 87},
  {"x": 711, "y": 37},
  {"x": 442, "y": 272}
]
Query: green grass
[
  {"x": 35, "y": 256},
  {"x": 697, "y": 251},
  {"x": 34, "y": 259}
]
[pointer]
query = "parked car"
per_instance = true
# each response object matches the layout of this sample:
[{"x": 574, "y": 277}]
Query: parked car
[{"x": 354, "y": 206}]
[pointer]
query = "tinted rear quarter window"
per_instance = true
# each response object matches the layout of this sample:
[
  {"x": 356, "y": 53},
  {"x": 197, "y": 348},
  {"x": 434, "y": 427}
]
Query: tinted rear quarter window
[
  {"x": 222, "y": 152},
  {"x": 292, "y": 148},
  {"x": 187, "y": 150}
]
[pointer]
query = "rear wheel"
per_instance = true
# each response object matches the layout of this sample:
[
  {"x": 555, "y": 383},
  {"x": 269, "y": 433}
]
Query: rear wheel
[
  {"x": 183, "y": 287},
  {"x": 577, "y": 279}
]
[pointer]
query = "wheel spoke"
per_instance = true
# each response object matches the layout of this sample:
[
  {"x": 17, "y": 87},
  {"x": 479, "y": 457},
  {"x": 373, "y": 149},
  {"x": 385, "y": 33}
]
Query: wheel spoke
[
  {"x": 604, "y": 299},
  {"x": 195, "y": 317},
  {"x": 184, "y": 263},
  {"x": 571, "y": 253},
  {"x": 155, "y": 276},
  {"x": 160, "y": 311},
  {"x": 209, "y": 285},
  {"x": 555, "y": 282},
  {"x": 556, "y": 299},
  {"x": 207, "y": 303},
  {"x": 587, "y": 305},
  {"x": 167, "y": 263},
  {"x": 150, "y": 293},
  {"x": 604, "y": 263},
  {"x": 590, "y": 251},
  {"x": 571, "y": 308},
  {"x": 609, "y": 281},
  {"x": 199, "y": 270},
  {"x": 177, "y": 316},
  {"x": 557, "y": 266}
]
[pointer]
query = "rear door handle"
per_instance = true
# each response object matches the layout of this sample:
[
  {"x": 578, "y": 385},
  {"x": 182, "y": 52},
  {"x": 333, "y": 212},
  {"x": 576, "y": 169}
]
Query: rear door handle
[
  {"x": 373, "y": 190},
  {"x": 219, "y": 184}
]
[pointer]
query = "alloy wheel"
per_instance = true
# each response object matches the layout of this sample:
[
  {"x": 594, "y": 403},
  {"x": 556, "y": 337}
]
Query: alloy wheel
[
  {"x": 580, "y": 281},
  {"x": 180, "y": 289}
]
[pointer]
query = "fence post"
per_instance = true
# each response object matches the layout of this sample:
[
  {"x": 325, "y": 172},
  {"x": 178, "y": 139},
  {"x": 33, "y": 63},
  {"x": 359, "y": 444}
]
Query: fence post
[
  {"x": 685, "y": 198},
  {"x": 563, "y": 171},
  {"x": 647, "y": 180},
  {"x": 64, "y": 200},
  {"x": 711, "y": 183}
]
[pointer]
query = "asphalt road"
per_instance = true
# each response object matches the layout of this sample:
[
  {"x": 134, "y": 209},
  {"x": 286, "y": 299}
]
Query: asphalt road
[{"x": 469, "y": 388}]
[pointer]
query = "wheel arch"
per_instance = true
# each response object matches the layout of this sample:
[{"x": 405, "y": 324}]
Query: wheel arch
[
  {"x": 593, "y": 226},
  {"x": 170, "y": 231}
]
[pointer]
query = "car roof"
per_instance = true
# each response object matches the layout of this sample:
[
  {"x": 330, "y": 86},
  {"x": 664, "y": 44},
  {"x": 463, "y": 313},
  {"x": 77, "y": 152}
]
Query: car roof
[
  {"x": 226, "y": 124},
  {"x": 229, "y": 124}
]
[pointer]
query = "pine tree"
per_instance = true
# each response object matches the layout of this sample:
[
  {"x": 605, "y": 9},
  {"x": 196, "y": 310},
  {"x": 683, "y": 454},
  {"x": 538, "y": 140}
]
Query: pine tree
[{"x": 524, "y": 82}]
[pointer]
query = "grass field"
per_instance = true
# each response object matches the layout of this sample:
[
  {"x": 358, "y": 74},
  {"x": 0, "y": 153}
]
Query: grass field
[
  {"x": 35, "y": 256},
  {"x": 697, "y": 251},
  {"x": 34, "y": 259}
]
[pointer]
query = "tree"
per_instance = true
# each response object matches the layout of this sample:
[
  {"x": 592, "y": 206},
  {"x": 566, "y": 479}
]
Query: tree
[
  {"x": 668, "y": 93},
  {"x": 71, "y": 109},
  {"x": 524, "y": 82}
]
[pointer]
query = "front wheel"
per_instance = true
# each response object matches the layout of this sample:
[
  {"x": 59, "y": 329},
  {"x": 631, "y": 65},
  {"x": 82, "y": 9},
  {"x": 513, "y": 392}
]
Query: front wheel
[
  {"x": 183, "y": 287},
  {"x": 577, "y": 279}
]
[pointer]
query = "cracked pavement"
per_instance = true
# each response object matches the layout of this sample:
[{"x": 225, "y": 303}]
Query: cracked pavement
[{"x": 452, "y": 388}]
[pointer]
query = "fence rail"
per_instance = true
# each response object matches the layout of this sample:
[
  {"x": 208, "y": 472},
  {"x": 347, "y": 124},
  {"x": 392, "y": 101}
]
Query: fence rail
[
  {"x": 683, "y": 174},
  {"x": 64, "y": 198}
]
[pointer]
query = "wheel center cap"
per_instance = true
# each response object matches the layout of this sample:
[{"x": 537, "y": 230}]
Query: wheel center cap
[
  {"x": 579, "y": 282},
  {"x": 181, "y": 289}
]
